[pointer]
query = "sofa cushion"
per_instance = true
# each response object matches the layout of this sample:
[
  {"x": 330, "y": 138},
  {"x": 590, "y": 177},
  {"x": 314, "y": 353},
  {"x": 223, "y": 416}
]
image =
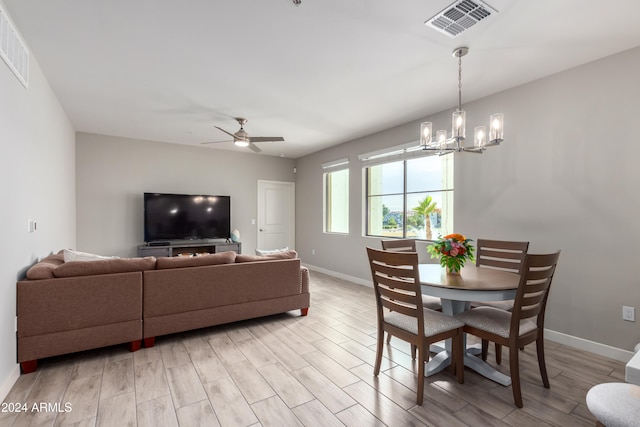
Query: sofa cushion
[
  {"x": 227, "y": 257},
  {"x": 104, "y": 266},
  {"x": 265, "y": 252},
  {"x": 71, "y": 255},
  {"x": 280, "y": 255},
  {"x": 44, "y": 268}
]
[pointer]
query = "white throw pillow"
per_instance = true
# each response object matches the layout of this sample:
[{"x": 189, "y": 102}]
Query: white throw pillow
[
  {"x": 264, "y": 252},
  {"x": 71, "y": 255}
]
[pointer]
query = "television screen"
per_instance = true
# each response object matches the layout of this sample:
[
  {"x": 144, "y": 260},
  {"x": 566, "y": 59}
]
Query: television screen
[{"x": 186, "y": 217}]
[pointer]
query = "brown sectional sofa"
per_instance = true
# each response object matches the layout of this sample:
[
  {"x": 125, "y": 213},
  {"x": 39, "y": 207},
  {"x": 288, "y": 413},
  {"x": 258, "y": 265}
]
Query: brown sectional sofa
[{"x": 80, "y": 305}]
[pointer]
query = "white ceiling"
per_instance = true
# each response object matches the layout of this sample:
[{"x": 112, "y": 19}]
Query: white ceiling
[{"x": 318, "y": 74}]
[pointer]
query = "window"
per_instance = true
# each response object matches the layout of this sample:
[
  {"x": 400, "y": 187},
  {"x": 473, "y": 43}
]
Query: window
[
  {"x": 336, "y": 196},
  {"x": 410, "y": 197}
]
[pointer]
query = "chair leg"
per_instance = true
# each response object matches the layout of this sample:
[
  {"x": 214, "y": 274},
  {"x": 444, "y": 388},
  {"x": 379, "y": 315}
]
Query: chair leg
[
  {"x": 498, "y": 353},
  {"x": 514, "y": 370},
  {"x": 458, "y": 355},
  {"x": 421, "y": 363},
  {"x": 413, "y": 351},
  {"x": 376, "y": 368},
  {"x": 388, "y": 338},
  {"x": 541, "y": 361},
  {"x": 485, "y": 349}
]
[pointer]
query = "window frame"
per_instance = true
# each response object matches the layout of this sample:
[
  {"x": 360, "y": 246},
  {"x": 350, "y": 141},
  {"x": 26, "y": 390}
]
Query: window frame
[
  {"x": 341, "y": 165},
  {"x": 403, "y": 154}
]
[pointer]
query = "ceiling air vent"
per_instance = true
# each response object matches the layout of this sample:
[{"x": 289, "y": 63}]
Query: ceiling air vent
[
  {"x": 13, "y": 50},
  {"x": 459, "y": 17}
]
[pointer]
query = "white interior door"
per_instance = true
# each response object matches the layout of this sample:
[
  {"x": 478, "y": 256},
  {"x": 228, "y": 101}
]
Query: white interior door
[{"x": 276, "y": 215}]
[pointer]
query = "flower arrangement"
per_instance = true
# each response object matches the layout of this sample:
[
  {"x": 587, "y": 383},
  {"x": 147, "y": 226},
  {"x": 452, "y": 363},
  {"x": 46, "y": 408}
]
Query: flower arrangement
[{"x": 453, "y": 250}]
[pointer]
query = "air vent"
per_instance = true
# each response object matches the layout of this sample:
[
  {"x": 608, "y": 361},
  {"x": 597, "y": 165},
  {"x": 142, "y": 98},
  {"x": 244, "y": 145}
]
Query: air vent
[
  {"x": 13, "y": 50},
  {"x": 459, "y": 17}
]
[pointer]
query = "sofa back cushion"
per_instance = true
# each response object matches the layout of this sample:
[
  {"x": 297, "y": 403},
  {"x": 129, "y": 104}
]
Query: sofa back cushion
[
  {"x": 189, "y": 290},
  {"x": 228, "y": 257},
  {"x": 105, "y": 266},
  {"x": 71, "y": 255},
  {"x": 44, "y": 268},
  {"x": 290, "y": 254}
]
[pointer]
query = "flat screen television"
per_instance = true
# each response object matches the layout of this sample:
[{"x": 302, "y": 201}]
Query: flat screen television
[{"x": 186, "y": 217}]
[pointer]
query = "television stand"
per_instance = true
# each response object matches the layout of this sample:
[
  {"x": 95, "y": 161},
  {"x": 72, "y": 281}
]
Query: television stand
[{"x": 183, "y": 249}]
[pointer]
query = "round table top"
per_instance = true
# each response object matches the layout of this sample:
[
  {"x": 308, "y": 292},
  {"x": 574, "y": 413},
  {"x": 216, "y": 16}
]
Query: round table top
[{"x": 473, "y": 283}]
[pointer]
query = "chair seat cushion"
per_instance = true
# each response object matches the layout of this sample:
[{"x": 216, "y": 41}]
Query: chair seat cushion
[
  {"x": 502, "y": 305},
  {"x": 493, "y": 320},
  {"x": 434, "y": 322},
  {"x": 432, "y": 303},
  {"x": 615, "y": 404}
]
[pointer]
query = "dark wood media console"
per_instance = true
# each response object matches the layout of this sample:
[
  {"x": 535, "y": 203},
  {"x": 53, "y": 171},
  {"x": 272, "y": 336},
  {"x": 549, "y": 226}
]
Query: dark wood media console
[{"x": 188, "y": 248}]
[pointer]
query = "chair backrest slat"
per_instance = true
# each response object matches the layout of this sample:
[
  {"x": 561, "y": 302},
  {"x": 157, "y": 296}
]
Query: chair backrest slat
[
  {"x": 399, "y": 245},
  {"x": 395, "y": 282},
  {"x": 394, "y": 294},
  {"x": 501, "y": 254},
  {"x": 399, "y": 308}
]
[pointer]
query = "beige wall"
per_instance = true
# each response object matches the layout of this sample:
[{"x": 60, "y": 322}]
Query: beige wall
[
  {"x": 37, "y": 162},
  {"x": 113, "y": 173},
  {"x": 565, "y": 178}
]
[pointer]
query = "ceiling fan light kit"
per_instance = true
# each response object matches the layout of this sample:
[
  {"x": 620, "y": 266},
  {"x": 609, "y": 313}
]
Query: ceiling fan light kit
[{"x": 481, "y": 140}]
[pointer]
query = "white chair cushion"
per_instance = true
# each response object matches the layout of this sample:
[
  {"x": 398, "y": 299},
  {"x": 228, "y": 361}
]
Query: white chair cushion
[
  {"x": 615, "y": 404},
  {"x": 502, "y": 305},
  {"x": 434, "y": 322},
  {"x": 494, "y": 320},
  {"x": 432, "y": 303}
]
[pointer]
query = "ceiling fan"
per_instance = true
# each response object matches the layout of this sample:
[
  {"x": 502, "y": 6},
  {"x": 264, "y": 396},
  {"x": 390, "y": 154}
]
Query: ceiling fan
[{"x": 242, "y": 139}]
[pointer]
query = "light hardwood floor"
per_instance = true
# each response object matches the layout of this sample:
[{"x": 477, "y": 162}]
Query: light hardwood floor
[{"x": 288, "y": 370}]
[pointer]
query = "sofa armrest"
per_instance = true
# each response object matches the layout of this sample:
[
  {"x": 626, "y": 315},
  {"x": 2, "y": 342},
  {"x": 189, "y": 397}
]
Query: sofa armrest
[
  {"x": 56, "y": 305},
  {"x": 304, "y": 279}
]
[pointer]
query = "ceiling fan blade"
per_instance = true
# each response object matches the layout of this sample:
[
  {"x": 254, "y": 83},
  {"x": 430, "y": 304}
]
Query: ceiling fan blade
[
  {"x": 266, "y": 139},
  {"x": 253, "y": 147},
  {"x": 228, "y": 133}
]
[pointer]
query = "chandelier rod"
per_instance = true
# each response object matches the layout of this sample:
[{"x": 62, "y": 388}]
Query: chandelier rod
[
  {"x": 459, "y": 82},
  {"x": 459, "y": 53}
]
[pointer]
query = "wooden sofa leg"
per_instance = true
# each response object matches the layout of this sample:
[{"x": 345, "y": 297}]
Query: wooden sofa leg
[
  {"x": 149, "y": 342},
  {"x": 135, "y": 345},
  {"x": 29, "y": 366},
  {"x": 304, "y": 311}
]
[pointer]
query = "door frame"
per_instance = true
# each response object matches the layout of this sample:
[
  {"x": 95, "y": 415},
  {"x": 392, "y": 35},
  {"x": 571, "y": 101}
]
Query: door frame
[{"x": 291, "y": 187}]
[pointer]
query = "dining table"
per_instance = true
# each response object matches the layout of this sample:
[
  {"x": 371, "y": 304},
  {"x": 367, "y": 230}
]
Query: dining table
[{"x": 456, "y": 292}]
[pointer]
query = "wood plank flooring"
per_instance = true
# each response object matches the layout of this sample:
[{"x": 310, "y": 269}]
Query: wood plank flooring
[{"x": 288, "y": 370}]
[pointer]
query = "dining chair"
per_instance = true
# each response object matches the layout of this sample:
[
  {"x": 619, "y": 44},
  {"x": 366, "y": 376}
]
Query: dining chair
[
  {"x": 396, "y": 283},
  {"x": 409, "y": 245},
  {"x": 524, "y": 324},
  {"x": 500, "y": 255}
]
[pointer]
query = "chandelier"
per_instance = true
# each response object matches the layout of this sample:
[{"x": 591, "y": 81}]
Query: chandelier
[{"x": 481, "y": 140}]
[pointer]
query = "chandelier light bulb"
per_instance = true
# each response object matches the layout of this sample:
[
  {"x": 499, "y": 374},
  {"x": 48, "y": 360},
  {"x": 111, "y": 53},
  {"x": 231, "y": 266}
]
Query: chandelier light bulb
[
  {"x": 458, "y": 130},
  {"x": 480, "y": 136},
  {"x": 441, "y": 138},
  {"x": 497, "y": 127},
  {"x": 425, "y": 134}
]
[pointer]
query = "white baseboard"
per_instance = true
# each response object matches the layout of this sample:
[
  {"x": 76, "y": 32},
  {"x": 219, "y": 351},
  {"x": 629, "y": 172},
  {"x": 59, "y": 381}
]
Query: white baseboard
[
  {"x": 356, "y": 280},
  {"x": 571, "y": 341},
  {"x": 9, "y": 382},
  {"x": 591, "y": 346}
]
